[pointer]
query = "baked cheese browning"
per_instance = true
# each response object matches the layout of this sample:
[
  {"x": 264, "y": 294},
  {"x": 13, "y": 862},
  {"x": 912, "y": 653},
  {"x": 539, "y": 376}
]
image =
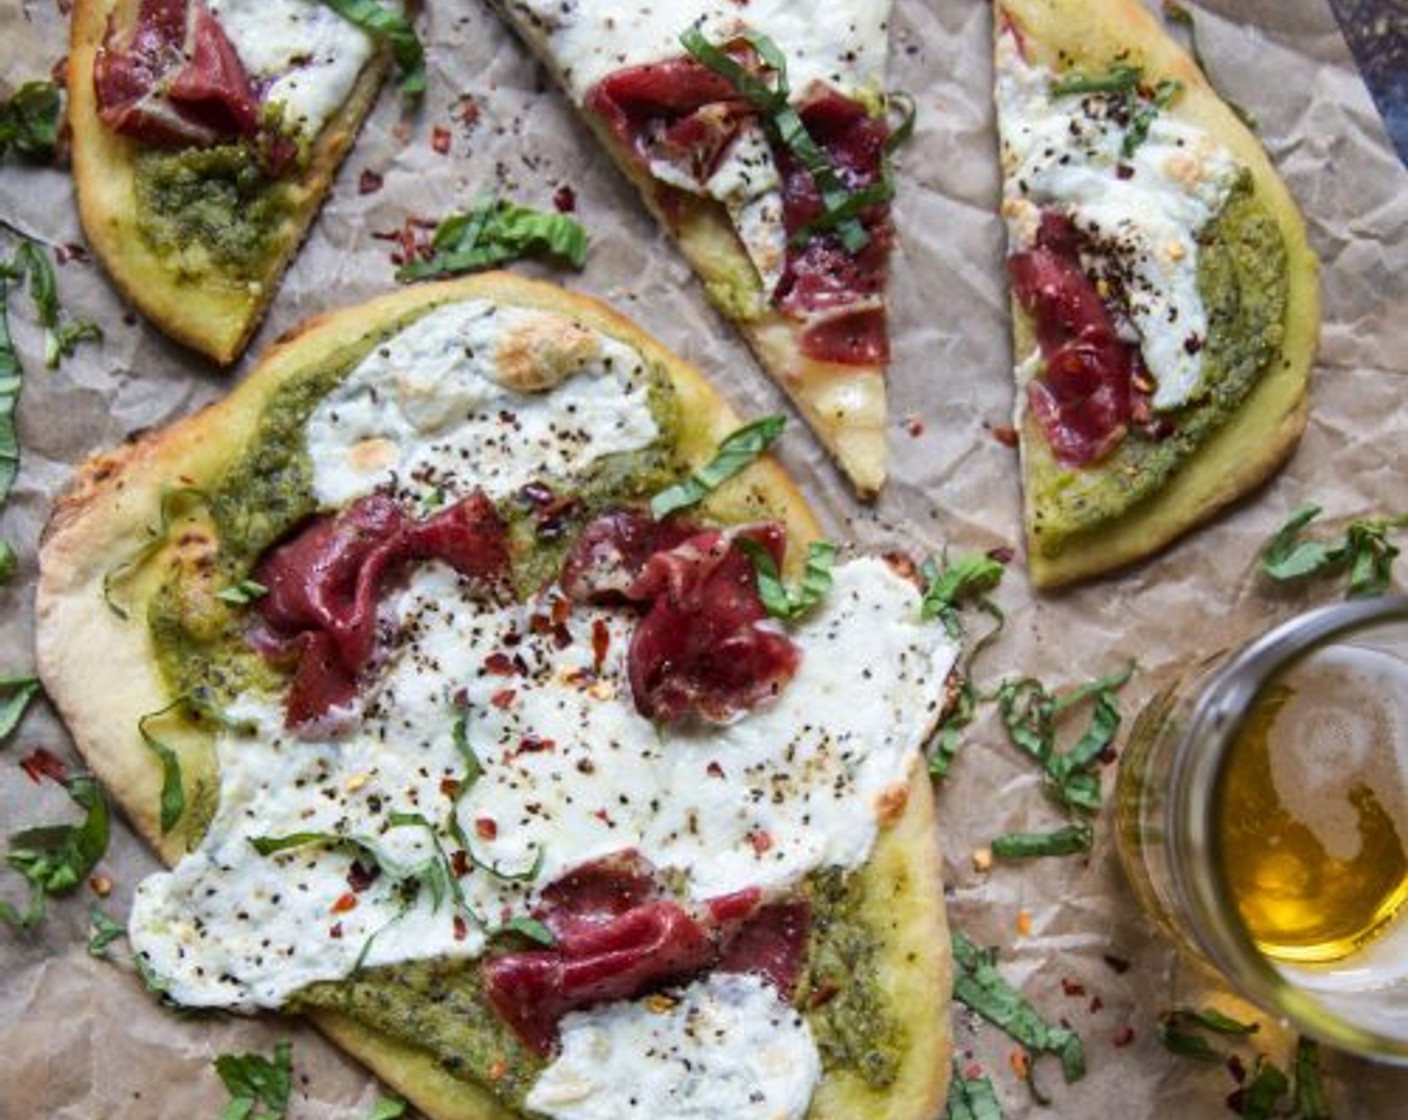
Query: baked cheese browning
[
  {"x": 725, "y": 172},
  {"x": 198, "y": 172},
  {"x": 382, "y": 821},
  {"x": 1164, "y": 299}
]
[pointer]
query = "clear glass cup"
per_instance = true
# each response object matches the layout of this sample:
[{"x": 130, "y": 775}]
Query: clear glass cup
[{"x": 1262, "y": 813}]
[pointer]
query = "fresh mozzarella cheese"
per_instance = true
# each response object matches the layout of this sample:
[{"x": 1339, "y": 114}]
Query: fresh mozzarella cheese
[
  {"x": 843, "y": 45},
  {"x": 301, "y": 53},
  {"x": 1143, "y": 210},
  {"x": 570, "y": 772},
  {"x": 727, "y": 1048},
  {"x": 459, "y": 399}
]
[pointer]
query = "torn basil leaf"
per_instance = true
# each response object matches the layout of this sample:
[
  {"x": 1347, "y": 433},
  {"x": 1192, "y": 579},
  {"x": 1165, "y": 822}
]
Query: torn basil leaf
[
  {"x": 60, "y": 337},
  {"x": 103, "y": 931},
  {"x": 963, "y": 580},
  {"x": 737, "y": 451},
  {"x": 173, "y": 794},
  {"x": 1066, "y": 841},
  {"x": 528, "y": 928},
  {"x": 387, "y": 1108},
  {"x": 494, "y": 233},
  {"x": 971, "y": 1098},
  {"x": 980, "y": 987},
  {"x": 1363, "y": 551},
  {"x": 259, "y": 1087},
  {"x": 243, "y": 593},
  {"x": 779, "y": 600},
  {"x": 1309, "y": 1093},
  {"x": 55, "y": 859},
  {"x": 29, "y": 120},
  {"x": 16, "y": 691},
  {"x": 394, "y": 29}
]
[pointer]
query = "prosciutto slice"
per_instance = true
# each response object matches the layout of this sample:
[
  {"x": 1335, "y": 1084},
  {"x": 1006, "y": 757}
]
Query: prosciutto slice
[
  {"x": 1085, "y": 397},
  {"x": 616, "y": 939},
  {"x": 324, "y": 587},
  {"x": 173, "y": 78},
  {"x": 681, "y": 113},
  {"x": 703, "y": 647}
]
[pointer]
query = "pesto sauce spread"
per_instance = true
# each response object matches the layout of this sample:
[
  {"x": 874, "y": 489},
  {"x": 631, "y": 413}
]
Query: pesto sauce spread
[
  {"x": 440, "y": 1007},
  {"x": 210, "y": 209},
  {"x": 1243, "y": 282}
]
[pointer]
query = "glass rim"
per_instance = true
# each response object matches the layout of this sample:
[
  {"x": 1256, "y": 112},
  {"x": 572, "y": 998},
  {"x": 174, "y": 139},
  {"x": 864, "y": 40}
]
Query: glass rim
[{"x": 1194, "y": 785}]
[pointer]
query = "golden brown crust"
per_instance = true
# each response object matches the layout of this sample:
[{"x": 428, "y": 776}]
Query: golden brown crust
[
  {"x": 1254, "y": 442},
  {"x": 100, "y": 670},
  {"x": 213, "y": 317},
  {"x": 844, "y": 404}
]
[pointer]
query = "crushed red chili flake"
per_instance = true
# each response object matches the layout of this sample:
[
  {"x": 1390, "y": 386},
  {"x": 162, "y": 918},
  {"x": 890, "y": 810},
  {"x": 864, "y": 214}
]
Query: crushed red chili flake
[
  {"x": 345, "y": 903},
  {"x": 1116, "y": 964},
  {"x": 459, "y": 863},
  {"x": 1096, "y": 1005},
  {"x": 714, "y": 770},
  {"x": 440, "y": 140},
  {"x": 486, "y": 828},
  {"x": 761, "y": 840},
  {"x": 499, "y": 665},
  {"x": 1002, "y": 554},
  {"x": 824, "y": 994},
  {"x": 1072, "y": 987},
  {"x": 335, "y": 931},
  {"x": 1020, "y": 1063},
  {"x": 370, "y": 181},
  {"x": 412, "y": 240},
  {"x": 564, "y": 199},
  {"x": 603, "y": 816},
  {"x": 561, "y": 611},
  {"x": 42, "y": 763},
  {"x": 914, "y": 426},
  {"x": 1122, "y": 1037},
  {"x": 450, "y": 787},
  {"x": 461, "y": 928},
  {"x": 531, "y": 744},
  {"x": 497, "y": 1069},
  {"x": 601, "y": 643},
  {"x": 360, "y": 876},
  {"x": 972, "y": 1071},
  {"x": 467, "y": 112},
  {"x": 561, "y": 636},
  {"x": 503, "y": 698},
  {"x": 1005, "y": 435}
]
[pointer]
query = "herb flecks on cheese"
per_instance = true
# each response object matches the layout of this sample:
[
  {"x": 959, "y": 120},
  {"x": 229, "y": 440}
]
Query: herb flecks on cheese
[
  {"x": 1140, "y": 210},
  {"x": 725, "y": 1048}
]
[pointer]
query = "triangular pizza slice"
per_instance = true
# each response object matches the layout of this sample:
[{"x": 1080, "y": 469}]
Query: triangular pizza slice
[
  {"x": 205, "y": 138},
  {"x": 758, "y": 136},
  {"x": 1165, "y": 300}
]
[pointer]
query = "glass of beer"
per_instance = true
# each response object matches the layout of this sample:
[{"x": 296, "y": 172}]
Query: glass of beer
[{"x": 1262, "y": 816}]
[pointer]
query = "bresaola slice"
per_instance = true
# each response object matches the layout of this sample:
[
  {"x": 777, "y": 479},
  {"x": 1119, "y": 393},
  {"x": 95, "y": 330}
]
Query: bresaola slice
[
  {"x": 324, "y": 587},
  {"x": 702, "y": 647}
]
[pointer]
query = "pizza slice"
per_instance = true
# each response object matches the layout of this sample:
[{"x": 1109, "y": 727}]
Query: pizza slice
[
  {"x": 758, "y": 135},
  {"x": 205, "y": 137},
  {"x": 438, "y": 663},
  {"x": 1165, "y": 301}
]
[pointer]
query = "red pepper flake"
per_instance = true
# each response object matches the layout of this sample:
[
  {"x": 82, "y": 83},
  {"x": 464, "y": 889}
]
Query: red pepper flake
[
  {"x": 370, "y": 181},
  {"x": 561, "y": 611},
  {"x": 1020, "y": 1063},
  {"x": 824, "y": 994},
  {"x": 503, "y": 698},
  {"x": 1005, "y": 435},
  {"x": 1072, "y": 987},
  {"x": 440, "y": 140},
  {"x": 468, "y": 112},
  {"x": 1097, "y": 1005},
  {"x": 42, "y": 763},
  {"x": 914, "y": 426},
  {"x": 1003, "y": 554},
  {"x": 345, "y": 903},
  {"x": 1024, "y": 923},
  {"x": 497, "y": 1069},
  {"x": 1122, "y": 1037},
  {"x": 459, "y": 863},
  {"x": 531, "y": 744},
  {"x": 761, "y": 840},
  {"x": 561, "y": 636},
  {"x": 601, "y": 642},
  {"x": 335, "y": 931},
  {"x": 461, "y": 928},
  {"x": 360, "y": 876},
  {"x": 486, "y": 828},
  {"x": 564, "y": 199},
  {"x": 603, "y": 816},
  {"x": 412, "y": 240},
  {"x": 499, "y": 665},
  {"x": 714, "y": 770},
  {"x": 450, "y": 787},
  {"x": 973, "y": 1070}
]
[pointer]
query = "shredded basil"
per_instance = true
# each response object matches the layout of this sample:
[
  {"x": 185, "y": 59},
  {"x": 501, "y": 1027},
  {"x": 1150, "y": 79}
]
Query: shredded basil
[
  {"x": 787, "y": 128},
  {"x": 964, "y": 580},
  {"x": 971, "y": 1098},
  {"x": 395, "y": 30},
  {"x": 1177, "y": 1031},
  {"x": 17, "y": 690},
  {"x": 29, "y": 120},
  {"x": 1309, "y": 1093},
  {"x": 980, "y": 987},
  {"x": 529, "y": 928},
  {"x": 60, "y": 337},
  {"x": 103, "y": 931},
  {"x": 259, "y": 1088},
  {"x": 1364, "y": 551},
  {"x": 737, "y": 451},
  {"x": 243, "y": 593},
  {"x": 55, "y": 859},
  {"x": 387, "y": 1108},
  {"x": 948, "y": 736},
  {"x": 173, "y": 793},
  {"x": 779, "y": 600},
  {"x": 11, "y": 378},
  {"x": 1060, "y": 842},
  {"x": 1121, "y": 78},
  {"x": 1125, "y": 82},
  {"x": 1143, "y": 111},
  {"x": 495, "y": 232},
  {"x": 1260, "y": 1097},
  {"x": 166, "y": 514}
]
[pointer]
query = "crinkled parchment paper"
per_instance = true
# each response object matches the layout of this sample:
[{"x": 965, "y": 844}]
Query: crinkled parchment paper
[{"x": 80, "y": 1039}]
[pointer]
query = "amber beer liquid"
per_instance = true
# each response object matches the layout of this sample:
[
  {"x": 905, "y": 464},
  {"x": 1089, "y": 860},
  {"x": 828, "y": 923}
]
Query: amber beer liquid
[{"x": 1262, "y": 813}]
